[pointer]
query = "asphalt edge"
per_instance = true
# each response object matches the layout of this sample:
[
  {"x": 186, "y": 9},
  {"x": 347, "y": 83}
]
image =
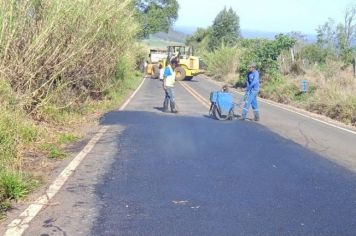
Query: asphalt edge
[{"x": 18, "y": 226}]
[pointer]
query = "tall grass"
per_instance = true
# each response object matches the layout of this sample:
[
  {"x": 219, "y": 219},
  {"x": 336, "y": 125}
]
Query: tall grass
[
  {"x": 63, "y": 51},
  {"x": 17, "y": 133},
  {"x": 332, "y": 92},
  {"x": 16, "y": 130},
  {"x": 335, "y": 95},
  {"x": 59, "y": 61},
  {"x": 223, "y": 63}
]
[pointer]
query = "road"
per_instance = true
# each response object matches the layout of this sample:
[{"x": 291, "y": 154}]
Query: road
[{"x": 155, "y": 173}]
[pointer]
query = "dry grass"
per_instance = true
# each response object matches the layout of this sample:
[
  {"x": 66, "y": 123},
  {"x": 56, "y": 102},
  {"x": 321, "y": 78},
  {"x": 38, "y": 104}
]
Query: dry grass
[
  {"x": 335, "y": 94},
  {"x": 56, "y": 57},
  {"x": 332, "y": 91},
  {"x": 63, "y": 51}
]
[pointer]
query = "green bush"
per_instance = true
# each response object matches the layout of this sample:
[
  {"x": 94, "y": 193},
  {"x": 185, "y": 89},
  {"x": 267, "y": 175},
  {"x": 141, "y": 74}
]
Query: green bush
[
  {"x": 28, "y": 133},
  {"x": 264, "y": 53},
  {"x": 53, "y": 151},
  {"x": 67, "y": 138},
  {"x": 280, "y": 90},
  {"x": 15, "y": 185},
  {"x": 314, "y": 54},
  {"x": 223, "y": 63},
  {"x": 15, "y": 132}
]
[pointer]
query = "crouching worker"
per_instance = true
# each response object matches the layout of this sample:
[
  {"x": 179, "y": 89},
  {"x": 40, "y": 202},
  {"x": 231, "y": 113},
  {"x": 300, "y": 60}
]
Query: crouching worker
[
  {"x": 225, "y": 89},
  {"x": 168, "y": 86},
  {"x": 252, "y": 89}
]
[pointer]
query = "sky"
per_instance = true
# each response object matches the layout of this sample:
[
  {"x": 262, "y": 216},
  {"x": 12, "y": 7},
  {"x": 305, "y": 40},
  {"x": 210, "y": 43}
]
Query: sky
[{"x": 279, "y": 16}]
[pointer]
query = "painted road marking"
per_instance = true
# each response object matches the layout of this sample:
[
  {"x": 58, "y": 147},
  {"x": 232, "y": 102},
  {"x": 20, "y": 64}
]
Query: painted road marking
[
  {"x": 18, "y": 226},
  {"x": 196, "y": 95}
]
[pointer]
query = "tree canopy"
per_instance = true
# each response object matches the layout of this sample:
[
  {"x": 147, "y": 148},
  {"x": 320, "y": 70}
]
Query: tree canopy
[
  {"x": 200, "y": 39},
  {"x": 156, "y": 15},
  {"x": 339, "y": 38},
  {"x": 225, "y": 29}
]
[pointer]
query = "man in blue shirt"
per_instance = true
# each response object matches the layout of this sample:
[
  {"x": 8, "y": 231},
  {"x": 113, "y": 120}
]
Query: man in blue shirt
[{"x": 252, "y": 89}]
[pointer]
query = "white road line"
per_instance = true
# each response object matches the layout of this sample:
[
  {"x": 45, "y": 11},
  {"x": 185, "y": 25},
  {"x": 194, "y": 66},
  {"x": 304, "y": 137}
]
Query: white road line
[
  {"x": 301, "y": 114},
  {"x": 18, "y": 226},
  {"x": 307, "y": 116}
]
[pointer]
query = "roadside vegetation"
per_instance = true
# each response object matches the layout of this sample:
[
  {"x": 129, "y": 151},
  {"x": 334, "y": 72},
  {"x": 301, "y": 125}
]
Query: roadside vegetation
[
  {"x": 63, "y": 63},
  {"x": 287, "y": 60}
]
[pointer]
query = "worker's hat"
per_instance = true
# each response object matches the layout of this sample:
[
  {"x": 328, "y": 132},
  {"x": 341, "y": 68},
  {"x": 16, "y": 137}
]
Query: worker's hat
[{"x": 252, "y": 64}]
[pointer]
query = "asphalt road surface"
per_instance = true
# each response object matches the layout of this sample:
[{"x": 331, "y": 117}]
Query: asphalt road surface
[{"x": 155, "y": 173}]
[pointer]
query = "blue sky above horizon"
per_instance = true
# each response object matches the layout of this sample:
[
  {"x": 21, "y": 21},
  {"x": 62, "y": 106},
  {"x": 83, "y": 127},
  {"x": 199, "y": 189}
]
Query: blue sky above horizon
[{"x": 279, "y": 16}]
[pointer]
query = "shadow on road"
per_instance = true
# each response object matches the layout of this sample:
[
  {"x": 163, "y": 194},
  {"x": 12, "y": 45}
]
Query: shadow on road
[{"x": 181, "y": 175}]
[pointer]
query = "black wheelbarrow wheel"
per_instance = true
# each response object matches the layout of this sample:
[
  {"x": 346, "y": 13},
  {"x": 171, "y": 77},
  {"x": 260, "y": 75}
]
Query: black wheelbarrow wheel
[
  {"x": 215, "y": 113},
  {"x": 218, "y": 115}
]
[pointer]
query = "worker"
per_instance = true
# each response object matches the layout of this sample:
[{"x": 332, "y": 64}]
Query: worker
[
  {"x": 161, "y": 72},
  {"x": 174, "y": 59},
  {"x": 225, "y": 88},
  {"x": 252, "y": 89},
  {"x": 168, "y": 86},
  {"x": 145, "y": 64}
]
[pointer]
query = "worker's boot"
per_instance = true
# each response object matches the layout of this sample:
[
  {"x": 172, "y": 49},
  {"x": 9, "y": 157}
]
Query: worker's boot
[
  {"x": 165, "y": 104},
  {"x": 173, "y": 107},
  {"x": 243, "y": 114},
  {"x": 257, "y": 115}
]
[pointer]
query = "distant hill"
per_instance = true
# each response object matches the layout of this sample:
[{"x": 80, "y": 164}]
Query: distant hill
[
  {"x": 180, "y": 33},
  {"x": 188, "y": 30},
  {"x": 172, "y": 35},
  {"x": 251, "y": 34}
]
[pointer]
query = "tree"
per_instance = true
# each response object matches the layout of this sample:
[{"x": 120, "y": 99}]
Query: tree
[
  {"x": 339, "y": 39},
  {"x": 346, "y": 34},
  {"x": 265, "y": 52},
  {"x": 156, "y": 15},
  {"x": 200, "y": 39},
  {"x": 314, "y": 54},
  {"x": 300, "y": 43},
  {"x": 349, "y": 27},
  {"x": 326, "y": 34},
  {"x": 225, "y": 29}
]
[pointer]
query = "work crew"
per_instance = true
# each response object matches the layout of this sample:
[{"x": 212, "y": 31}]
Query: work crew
[
  {"x": 252, "y": 89},
  {"x": 168, "y": 86}
]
